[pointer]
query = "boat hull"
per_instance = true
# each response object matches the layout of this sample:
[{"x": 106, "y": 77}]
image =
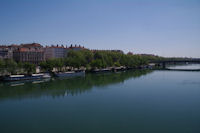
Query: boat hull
[
  {"x": 25, "y": 78},
  {"x": 71, "y": 74}
]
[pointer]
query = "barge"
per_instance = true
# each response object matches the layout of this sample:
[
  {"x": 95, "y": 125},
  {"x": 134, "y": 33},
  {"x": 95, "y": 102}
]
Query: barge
[
  {"x": 70, "y": 74},
  {"x": 26, "y": 77}
]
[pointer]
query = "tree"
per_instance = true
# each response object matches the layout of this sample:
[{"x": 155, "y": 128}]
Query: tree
[
  {"x": 43, "y": 66},
  {"x": 117, "y": 64},
  {"x": 2, "y": 65},
  {"x": 88, "y": 55},
  {"x": 29, "y": 68},
  {"x": 48, "y": 65},
  {"x": 96, "y": 63},
  {"x": 11, "y": 66},
  {"x": 59, "y": 63},
  {"x": 76, "y": 59}
]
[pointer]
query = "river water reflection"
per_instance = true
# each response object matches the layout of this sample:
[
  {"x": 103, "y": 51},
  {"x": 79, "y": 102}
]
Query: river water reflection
[
  {"x": 185, "y": 66},
  {"x": 125, "y": 102}
]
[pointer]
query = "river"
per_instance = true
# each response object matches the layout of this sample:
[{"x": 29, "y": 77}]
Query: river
[{"x": 144, "y": 101}]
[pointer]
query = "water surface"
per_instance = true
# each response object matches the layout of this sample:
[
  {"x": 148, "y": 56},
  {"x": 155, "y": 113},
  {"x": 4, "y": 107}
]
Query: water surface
[
  {"x": 185, "y": 66},
  {"x": 125, "y": 102}
]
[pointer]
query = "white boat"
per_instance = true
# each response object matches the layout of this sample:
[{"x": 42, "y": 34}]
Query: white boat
[
  {"x": 70, "y": 74},
  {"x": 23, "y": 77}
]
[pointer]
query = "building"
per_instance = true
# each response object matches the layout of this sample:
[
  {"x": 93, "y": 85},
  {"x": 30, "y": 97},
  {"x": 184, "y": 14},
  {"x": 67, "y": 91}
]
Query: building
[
  {"x": 32, "y": 53},
  {"x": 130, "y": 53},
  {"x": 60, "y": 51},
  {"x": 76, "y": 48},
  {"x": 55, "y": 52},
  {"x": 6, "y": 52},
  {"x": 117, "y": 51}
]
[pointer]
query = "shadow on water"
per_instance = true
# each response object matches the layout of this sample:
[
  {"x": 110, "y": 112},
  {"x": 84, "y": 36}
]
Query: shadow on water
[{"x": 69, "y": 86}]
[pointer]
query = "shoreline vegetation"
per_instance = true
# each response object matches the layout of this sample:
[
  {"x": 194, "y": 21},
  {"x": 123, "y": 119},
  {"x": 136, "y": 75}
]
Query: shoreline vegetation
[
  {"x": 77, "y": 60},
  {"x": 86, "y": 60}
]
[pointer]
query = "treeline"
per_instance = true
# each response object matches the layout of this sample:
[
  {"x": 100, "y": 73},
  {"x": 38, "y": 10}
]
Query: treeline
[
  {"x": 9, "y": 66},
  {"x": 77, "y": 59},
  {"x": 97, "y": 59}
]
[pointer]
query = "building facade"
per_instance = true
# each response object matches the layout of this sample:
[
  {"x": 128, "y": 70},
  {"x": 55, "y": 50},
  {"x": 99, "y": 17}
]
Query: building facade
[
  {"x": 76, "y": 48},
  {"x": 59, "y": 51},
  {"x": 32, "y": 53},
  {"x": 117, "y": 51},
  {"x": 55, "y": 52},
  {"x": 6, "y": 52}
]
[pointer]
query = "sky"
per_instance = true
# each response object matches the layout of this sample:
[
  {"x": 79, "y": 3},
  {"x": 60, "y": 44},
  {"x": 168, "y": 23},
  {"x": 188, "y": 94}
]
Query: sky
[{"x": 162, "y": 27}]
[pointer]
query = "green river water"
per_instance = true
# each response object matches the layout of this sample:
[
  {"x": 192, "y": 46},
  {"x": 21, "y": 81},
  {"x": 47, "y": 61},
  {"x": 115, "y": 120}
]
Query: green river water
[{"x": 142, "y": 101}]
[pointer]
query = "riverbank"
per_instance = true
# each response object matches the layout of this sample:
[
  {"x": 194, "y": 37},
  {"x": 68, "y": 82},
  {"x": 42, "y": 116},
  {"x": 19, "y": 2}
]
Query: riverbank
[{"x": 68, "y": 73}]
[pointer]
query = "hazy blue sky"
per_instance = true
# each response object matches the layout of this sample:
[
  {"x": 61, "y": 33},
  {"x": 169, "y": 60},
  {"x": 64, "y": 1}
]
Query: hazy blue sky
[{"x": 162, "y": 27}]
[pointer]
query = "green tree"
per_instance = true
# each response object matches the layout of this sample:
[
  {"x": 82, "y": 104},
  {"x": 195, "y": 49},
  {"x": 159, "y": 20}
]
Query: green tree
[
  {"x": 11, "y": 66},
  {"x": 2, "y": 66},
  {"x": 59, "y": 63},
  {"x": 48, "y": 65},
  {"x": 117, "y": 64},
  {"x": 96, "y": 63},
  {"x": 29, "y": 68}
]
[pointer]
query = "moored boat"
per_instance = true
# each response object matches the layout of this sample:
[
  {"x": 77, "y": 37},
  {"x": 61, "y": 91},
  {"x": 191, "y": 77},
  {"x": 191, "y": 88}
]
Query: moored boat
[
  {"x": 70, "y": 74},
  {"x": 102, "y": 70},
  {"x": 26, "y": 77}
]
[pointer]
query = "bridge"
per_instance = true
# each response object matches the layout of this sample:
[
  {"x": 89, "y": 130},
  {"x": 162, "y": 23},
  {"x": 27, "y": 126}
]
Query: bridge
[
  {"x": 164, "y": 62},
  {"x": 185, "y": 70}
]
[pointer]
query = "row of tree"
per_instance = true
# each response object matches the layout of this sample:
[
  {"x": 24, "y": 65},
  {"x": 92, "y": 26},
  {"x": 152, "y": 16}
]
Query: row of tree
[
  {"x": 76, "y": 59},
  {"x": 9, "y": 66},
  {"x": 97, "y": 59}
]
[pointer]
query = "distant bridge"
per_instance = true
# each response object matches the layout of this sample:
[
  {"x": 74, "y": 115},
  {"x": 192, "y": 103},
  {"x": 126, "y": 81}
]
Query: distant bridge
[
  {"x": 164, "y": 62},
  {"x": 185, "y": 70}
]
